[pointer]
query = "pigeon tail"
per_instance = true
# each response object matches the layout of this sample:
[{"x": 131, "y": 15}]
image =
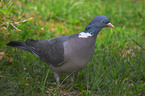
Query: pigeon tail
[{"x": 18, "y": 44}]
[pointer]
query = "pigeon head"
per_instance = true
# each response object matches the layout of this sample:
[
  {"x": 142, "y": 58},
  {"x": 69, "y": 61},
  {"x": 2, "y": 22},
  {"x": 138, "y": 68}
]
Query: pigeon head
[{"x": 97, "y": 24}]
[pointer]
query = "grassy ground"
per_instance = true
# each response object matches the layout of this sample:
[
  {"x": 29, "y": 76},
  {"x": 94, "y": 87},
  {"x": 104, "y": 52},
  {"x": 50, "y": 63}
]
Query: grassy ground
[{"x": 117, "y": 67}]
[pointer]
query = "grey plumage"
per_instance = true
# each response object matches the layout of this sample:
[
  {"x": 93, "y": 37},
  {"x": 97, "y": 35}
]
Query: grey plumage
[{"x": 66, "y": 54}]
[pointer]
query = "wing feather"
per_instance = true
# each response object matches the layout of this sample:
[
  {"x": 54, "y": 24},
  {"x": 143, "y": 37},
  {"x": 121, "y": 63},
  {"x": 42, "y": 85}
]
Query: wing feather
[{"x": 50, "y": 51}]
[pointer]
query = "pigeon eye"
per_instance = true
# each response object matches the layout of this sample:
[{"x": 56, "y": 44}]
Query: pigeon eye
[{"x": 102, "y": 21}]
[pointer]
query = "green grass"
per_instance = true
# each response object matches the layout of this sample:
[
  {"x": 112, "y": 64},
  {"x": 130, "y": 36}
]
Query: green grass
[{"x": 116, "y": 69}]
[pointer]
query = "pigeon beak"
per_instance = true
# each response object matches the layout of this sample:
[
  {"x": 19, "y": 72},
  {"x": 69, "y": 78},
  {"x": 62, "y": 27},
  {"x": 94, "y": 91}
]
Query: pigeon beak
[{"x": 110, "y": 25}]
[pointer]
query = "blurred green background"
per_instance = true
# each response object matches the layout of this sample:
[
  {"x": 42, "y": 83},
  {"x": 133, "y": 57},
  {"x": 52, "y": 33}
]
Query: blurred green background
[{"x": 117, "y": 67}]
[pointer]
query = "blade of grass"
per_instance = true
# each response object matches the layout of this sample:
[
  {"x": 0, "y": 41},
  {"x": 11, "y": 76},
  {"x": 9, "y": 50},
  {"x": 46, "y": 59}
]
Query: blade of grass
[
  {"x": 136, "y": 42},
  {"x": 43, "y": 86}
]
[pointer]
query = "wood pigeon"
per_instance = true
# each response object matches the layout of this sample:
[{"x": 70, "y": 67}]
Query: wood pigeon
[{"x": 66, "y": 54}]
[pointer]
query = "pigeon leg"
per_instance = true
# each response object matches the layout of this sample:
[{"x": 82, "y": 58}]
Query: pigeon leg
[
  {"x": 72, "y": 78},
  {"x": 57, "y": 76}
]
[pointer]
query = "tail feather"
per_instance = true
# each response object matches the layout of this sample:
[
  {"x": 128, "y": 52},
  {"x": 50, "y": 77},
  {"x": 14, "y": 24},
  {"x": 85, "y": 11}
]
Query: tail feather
[{"x": 18, "y": 44}]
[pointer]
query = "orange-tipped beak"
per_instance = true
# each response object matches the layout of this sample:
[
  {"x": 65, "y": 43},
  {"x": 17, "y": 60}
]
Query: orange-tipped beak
[{"x": 110, "y": 25}]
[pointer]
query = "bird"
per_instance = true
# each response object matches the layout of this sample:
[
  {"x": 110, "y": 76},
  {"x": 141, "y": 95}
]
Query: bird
[{"x": 66, "y": 54}]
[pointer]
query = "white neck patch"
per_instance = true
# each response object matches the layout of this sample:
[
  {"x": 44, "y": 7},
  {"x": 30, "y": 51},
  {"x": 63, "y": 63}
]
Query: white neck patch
[{"x": 84, "y": 35}]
